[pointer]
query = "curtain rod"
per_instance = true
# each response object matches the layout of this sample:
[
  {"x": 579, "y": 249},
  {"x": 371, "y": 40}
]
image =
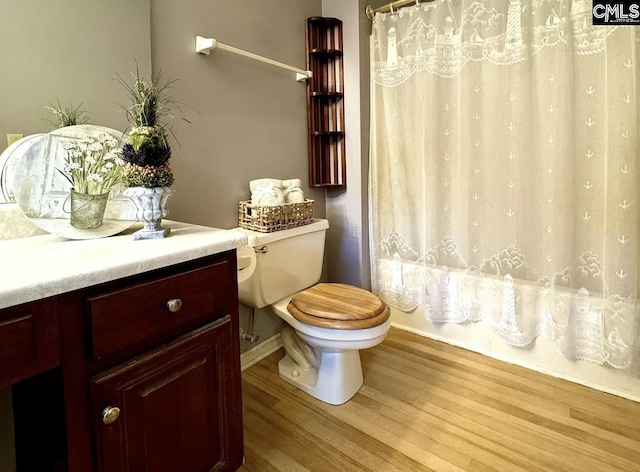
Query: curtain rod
[
  {"x": 206, "y": 45},
  {"x": 370, "y": 11}
]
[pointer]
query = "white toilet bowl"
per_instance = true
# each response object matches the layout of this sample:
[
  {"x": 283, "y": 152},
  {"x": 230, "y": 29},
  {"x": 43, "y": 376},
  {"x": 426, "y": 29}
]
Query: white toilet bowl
[{"x": 326, "y": 364}]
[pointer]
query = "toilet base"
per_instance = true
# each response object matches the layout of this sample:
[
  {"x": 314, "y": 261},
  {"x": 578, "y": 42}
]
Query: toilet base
[{"x": 335, "y": 381}]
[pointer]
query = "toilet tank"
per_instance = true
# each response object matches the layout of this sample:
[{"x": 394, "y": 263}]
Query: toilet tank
[{"x": 286, "y": 262}]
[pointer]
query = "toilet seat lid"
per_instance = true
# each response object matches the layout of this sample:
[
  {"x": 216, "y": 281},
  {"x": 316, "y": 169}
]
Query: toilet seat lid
[{"x": 339, "y": 306}]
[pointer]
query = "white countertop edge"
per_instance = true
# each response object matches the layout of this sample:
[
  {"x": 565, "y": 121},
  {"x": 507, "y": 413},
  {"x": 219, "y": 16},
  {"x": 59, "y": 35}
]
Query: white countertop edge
[{"x": 43, "y": 266}]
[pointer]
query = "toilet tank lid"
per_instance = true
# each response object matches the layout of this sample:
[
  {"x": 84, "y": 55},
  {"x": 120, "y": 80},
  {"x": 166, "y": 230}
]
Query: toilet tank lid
[{"x": 258, "y": 239}]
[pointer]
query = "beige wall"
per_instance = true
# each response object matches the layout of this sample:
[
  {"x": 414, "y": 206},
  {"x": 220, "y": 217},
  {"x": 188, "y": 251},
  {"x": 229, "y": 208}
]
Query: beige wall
[
  {"x": 347, "y": 210},
  {"x": 68, "y": 50},
  {"x": 249, "y": 119}
]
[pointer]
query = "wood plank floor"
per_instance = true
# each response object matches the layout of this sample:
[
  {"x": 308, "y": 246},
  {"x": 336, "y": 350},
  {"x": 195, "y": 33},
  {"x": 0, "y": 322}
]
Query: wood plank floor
[{"x": 428, "y": 406}]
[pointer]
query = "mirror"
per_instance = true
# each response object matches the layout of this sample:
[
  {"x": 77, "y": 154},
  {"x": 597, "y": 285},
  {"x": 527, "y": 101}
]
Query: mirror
[
  {"x": 43, "y": 193},
  {"x": 69, "y": 51}
]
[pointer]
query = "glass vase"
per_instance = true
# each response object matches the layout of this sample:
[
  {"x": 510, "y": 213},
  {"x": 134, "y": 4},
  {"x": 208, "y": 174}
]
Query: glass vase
[{"x": 87, "y": 211}]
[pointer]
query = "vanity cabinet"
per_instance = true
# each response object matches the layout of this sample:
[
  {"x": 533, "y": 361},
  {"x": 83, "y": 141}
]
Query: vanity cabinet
[{"x": 148, "y": 374}]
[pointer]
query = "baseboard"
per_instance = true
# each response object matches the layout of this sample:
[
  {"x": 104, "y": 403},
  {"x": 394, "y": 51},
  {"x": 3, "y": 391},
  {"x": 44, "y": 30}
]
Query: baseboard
[{"x": 259, "y": 352}]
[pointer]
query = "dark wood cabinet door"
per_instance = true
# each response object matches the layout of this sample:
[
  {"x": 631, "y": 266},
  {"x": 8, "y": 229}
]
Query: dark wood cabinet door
[
  {"x": 178, "y": 407},
  {"x": 29, "y": 340}
]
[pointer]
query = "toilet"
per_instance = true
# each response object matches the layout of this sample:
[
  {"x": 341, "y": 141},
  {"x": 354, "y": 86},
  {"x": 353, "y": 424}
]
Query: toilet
[{"x": 325, "y": 325}]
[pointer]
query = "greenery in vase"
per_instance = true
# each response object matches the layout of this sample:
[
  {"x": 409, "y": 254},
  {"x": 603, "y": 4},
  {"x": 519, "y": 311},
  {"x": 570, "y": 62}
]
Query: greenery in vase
[
  {"x": 148, "y": 151},
  {"x": 93, "y": 165},
  {"x": 66, "y": 115}
]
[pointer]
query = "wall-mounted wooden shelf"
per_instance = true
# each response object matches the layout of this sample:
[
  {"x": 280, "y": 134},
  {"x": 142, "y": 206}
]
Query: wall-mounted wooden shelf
[
  {"x": 329, "y": 133},
  {"x": 325, "y": 107},
  {"x": 326, "y": 52},
  {"x": 327, "y": 95}
]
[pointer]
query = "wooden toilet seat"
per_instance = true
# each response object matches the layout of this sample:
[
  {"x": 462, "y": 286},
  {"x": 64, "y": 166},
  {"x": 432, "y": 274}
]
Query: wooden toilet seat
[{"x": 338, "y": 306}]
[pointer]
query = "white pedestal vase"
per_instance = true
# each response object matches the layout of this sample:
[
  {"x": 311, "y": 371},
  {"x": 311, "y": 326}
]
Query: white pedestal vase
[{"x": 151, "y": 208}]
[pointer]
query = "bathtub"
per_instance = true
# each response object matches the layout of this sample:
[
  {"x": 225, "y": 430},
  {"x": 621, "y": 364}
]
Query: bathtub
[{"x": 555, "y": 331}]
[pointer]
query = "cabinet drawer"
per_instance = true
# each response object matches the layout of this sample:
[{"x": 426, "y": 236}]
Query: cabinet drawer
[
  {"x": 29, "y": 340},
  {"x": 156, "y": 309}
]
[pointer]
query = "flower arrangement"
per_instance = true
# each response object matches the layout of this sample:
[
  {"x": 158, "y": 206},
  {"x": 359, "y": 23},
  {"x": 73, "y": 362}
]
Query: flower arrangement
[
  {"x": 93, "y": 165},
  {"x": 148, "y": 152},
  {"x": 64, "y": 116}
]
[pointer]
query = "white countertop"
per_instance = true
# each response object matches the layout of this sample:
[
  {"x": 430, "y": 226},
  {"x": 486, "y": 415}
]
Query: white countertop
[{"x": 42, "y": 266}]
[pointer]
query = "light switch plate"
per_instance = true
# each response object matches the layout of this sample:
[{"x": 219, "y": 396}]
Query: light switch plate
[{"x": 13, "y": 137}]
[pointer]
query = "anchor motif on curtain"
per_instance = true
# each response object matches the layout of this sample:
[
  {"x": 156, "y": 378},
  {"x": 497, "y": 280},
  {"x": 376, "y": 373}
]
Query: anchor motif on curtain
[{"x": 490, "y": 200}]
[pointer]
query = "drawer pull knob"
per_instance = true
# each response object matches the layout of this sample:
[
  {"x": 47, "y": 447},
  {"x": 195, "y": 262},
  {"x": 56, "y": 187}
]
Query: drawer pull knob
[
  {"x": 110, "y": 414},
  {"x": 174, "y": 305}
]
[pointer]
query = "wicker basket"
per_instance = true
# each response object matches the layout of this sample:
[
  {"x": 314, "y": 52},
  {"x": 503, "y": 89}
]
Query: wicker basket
[{"x": 267, "y": 219}]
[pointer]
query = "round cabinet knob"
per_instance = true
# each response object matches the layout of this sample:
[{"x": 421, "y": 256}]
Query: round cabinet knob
[
  {"x": 110, "y": 414},
  {"x": 174, "y": 305}
]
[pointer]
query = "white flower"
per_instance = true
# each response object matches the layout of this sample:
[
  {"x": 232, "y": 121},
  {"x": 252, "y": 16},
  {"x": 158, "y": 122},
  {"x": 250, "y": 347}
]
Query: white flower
[
  {"x": 94, "y": 178},
  {"x": 71, "y": 167},
  {"x": 107, "y": 140},
  {"x": 113, "y": 154},
  {"x": 93, "y": 165},
  {"x": 95, "y": 147}
]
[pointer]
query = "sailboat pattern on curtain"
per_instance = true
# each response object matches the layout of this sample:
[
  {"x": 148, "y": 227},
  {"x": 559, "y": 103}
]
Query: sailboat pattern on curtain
[{"x": 504, "y": 183}]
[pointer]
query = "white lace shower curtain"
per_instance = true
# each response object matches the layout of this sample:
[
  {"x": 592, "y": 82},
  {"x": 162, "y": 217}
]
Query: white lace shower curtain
[{"x": 504, "y": 172}]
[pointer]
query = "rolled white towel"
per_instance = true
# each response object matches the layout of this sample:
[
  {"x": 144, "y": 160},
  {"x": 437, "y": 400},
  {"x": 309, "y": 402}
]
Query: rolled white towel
[
  {"x": 254, "y": 184},
  {"x": 292, "y": 191},
  {"x": 267, "y": 195}
]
